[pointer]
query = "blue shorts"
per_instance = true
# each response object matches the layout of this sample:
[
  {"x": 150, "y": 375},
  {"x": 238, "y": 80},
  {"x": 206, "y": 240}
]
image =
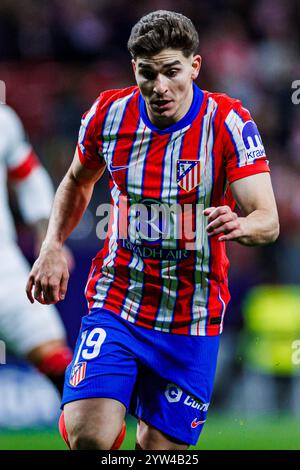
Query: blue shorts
[{"x": 162, "y": 378}]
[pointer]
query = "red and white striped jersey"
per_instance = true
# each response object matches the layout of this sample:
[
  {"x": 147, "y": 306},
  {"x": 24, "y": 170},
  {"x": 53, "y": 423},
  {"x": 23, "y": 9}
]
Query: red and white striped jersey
[{"x": 169, "y": 283}]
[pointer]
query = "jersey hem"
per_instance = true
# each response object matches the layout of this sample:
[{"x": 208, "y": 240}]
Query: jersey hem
[
  {"x": 93, "y": 395},
  {"x": 210, "y": 330}
]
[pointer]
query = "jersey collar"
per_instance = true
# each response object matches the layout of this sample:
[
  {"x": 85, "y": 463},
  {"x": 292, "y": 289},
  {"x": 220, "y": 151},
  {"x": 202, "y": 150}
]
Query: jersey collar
[{"x": 186, "y": 120}]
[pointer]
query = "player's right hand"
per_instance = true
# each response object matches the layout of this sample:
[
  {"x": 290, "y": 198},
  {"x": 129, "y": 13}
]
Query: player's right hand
[{"x": 49, "y": 276}]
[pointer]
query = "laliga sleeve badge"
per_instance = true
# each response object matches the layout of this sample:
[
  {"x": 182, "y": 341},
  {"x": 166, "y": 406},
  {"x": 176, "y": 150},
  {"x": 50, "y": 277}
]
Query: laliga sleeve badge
[
  {"x": 252, "y": 142},
  {"x": 188, "y": 174},
  {"x": 77, "y": 373}
]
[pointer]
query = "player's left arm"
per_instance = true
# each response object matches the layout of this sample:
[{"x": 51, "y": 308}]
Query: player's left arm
[{"x": 259, "y": 223}]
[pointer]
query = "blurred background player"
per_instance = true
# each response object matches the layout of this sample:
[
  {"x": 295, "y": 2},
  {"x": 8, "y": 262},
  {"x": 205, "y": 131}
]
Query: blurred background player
[{"x": 35, "y": 332}]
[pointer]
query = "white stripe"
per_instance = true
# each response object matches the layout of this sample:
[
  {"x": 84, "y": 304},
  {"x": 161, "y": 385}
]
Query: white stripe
[
  {"x": 135, "y": 186},
  {"x": 168, "y": 268},
  {"x": 108, "y": 269},
  {"x": 84, "y": 125},
  {"x": 135, "y": 289},
  {"x": 223, "y": 310},
  {"x": 199, "y": 311},
  {"x": 235, "y": 125},
  {"x": 169, "y": 183},
  {"x": 138, "y": 160},
  {"x": 112, "y": 124}
]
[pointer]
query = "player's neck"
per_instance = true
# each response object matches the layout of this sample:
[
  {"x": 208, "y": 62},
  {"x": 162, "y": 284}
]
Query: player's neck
[{"x": 163, "y": 122}]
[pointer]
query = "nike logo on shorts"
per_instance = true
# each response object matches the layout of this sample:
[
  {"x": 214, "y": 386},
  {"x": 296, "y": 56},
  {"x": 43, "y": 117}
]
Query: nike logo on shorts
[{"x": 196, "y": 423}]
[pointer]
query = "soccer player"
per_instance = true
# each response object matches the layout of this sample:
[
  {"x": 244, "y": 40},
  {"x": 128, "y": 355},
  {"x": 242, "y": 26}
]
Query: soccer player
[
  {"x": 157, "y": 291},
  {"x": 35, "y": 332}
]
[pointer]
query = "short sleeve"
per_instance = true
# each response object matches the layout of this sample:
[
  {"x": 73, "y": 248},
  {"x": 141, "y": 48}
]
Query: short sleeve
[
  {"x": 244, "y": 153},
  {"x": 89, "y": 138}
]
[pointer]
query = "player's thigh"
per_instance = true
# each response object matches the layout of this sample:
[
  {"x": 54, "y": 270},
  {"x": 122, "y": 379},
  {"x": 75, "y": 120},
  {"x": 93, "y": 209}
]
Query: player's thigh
[
  {"x": 171, "y": 418},
  {"x": 103, "y": 367},
  {"x": 97, "y": 419},
  {"x": 150, "y": 438}
]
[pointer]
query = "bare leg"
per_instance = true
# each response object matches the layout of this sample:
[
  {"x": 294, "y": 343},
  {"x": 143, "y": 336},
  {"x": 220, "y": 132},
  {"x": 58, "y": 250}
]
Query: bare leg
[
  {"x": 93, "y": 423},
  {"x": 150, "y": 438}
]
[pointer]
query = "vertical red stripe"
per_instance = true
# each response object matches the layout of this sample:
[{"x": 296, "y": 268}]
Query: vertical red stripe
[
  {"x": 185, "y": 269},
  {"x": 218, "y": 273},
  {"x": 118, "y": 288},
  {"x": 152, "y": 187}
]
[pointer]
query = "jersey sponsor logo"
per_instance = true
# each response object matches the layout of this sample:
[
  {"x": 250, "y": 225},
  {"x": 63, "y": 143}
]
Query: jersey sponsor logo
[
  {"x": 150, "y": 221},
  {"x": 152, "y": 252},
  {"x": 77, "y": 373},
  {"x": 154, "y": 220},
  {"x": 188, "y": 174},
  {"x": 196, "y": 423},
  {"x": 252, "y": 141}
]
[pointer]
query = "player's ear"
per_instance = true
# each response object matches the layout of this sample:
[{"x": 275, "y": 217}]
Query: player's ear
[
  {"x": 133, "y": 65},
  {"x": 196, "y": 66}
]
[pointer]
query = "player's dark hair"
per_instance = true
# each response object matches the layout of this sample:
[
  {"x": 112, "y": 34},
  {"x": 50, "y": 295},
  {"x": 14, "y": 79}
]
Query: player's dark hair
[{"x": 163, "y": 29}]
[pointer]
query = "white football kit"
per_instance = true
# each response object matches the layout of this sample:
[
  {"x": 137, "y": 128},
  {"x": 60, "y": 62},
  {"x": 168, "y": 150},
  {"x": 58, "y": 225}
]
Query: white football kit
[{"x": 22, "y": 326}]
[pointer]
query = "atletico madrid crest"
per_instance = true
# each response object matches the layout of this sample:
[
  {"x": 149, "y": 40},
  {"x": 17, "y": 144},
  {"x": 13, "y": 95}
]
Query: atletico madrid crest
[
  {"x": 77, "y": 373},
  {"x": 188, "y": 174}
]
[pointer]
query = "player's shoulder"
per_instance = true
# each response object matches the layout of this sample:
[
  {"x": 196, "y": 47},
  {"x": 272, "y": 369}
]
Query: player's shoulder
[
  {"x": 227, "y": 104},
  {"x": 7, "y": 113},
  {"x": 10, "y": 122},
  {"x": 108, "y": 97}
]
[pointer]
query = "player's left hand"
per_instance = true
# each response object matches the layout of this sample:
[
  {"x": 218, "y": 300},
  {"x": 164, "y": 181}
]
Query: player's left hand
[
  {"x": 67, "y": 254},
  {"x": 223, "y": 220}
]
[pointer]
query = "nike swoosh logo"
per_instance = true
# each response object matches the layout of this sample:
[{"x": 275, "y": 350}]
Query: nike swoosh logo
[
  {"x": 196, "y": 423},
  {"x": 117, "y": 168},
  {"x": 121, "y": 167}
]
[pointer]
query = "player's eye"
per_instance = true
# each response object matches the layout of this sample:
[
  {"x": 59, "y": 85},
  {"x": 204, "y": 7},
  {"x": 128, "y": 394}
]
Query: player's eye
[
  {"x": 148, "y": 74},
  {"x": 172, "y": 73}
]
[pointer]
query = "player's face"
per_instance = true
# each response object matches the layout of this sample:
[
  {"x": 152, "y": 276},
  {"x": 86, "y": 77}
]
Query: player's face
[{"x": 165, "y": 81}]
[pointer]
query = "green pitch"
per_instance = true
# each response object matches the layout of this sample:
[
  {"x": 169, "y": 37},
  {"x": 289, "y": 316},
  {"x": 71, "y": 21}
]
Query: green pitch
[{"x": 220, "y": 432}]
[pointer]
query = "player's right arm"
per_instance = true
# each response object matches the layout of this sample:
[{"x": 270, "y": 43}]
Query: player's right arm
[{"x": 49, "y": 276}]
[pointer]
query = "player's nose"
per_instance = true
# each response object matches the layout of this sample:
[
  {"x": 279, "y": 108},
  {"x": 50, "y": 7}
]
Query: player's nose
[{"x": 160, "y": 85}]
